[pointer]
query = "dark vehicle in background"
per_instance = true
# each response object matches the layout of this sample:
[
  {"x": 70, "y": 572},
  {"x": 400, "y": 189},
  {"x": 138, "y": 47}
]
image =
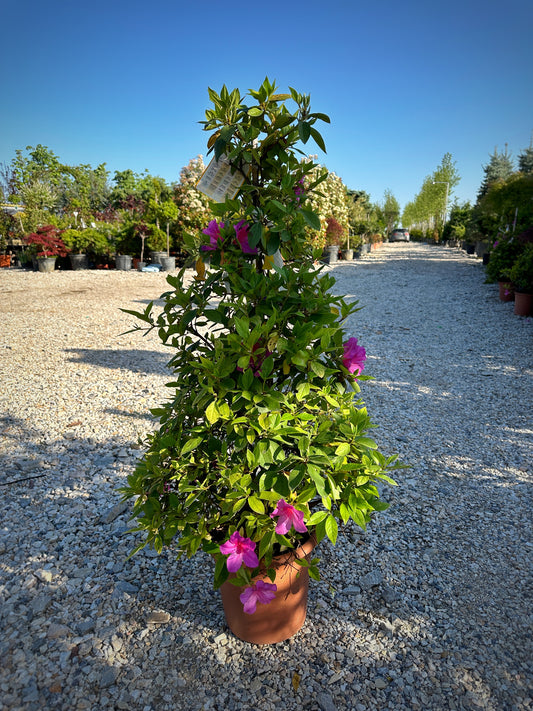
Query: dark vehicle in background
[{"x": 399, "y": 235}]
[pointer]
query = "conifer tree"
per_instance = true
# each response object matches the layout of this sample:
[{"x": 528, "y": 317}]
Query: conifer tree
[
  {"x": 499, "y": 167},
  {"x": 525, "y": 159}
]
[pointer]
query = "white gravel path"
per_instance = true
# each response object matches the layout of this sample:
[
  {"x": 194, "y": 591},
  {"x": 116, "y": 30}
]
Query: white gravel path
[{"x": 430, "y": 609}]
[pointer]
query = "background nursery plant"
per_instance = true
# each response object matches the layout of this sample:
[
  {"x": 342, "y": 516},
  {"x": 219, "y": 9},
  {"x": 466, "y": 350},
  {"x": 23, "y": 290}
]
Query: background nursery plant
[{"x": 263, "y": 442}]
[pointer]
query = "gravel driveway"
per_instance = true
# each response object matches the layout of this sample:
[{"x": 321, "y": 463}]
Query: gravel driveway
[{"x": 431, "y": 608}]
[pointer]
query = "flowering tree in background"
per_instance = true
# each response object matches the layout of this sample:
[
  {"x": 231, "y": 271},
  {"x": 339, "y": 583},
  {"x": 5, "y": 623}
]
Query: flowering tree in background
[
  {"x": 331, "y": 201},
  {"x": 194, "y": 207}
]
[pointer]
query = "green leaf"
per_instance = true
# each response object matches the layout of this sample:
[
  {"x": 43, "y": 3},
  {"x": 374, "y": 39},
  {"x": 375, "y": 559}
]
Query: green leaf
[
  {"x": 242, "y": 326},
  {"x": 344, "y": 511},
  {"x": 311, "y": 218},
  {"x": 318, "y": 139},
  {"x": 265, "y": 543},
  {"x": 190, "y": 445},
  {"x": 255, "y": 234},
  {"x": 321, "y": 117},
  {"x": 255, "y": 111},
  {"x": 316, "y": 518},
  {"x": 300, "y": 358},
  {"x": 212, "y": 412},
  {"x": 281, "y": 486},
  {"x": 302, "y": 391},
  {"x": 243, "y": 362},
  {"x": 317, "y": 368},
  {"x": 313, "y": 572},
  {"x": 332, "y": 528},
  {"x": 343, "y": 449},
  {"x": 304, "y": 131},
  {"x": 272, "y": 245},
  {"x": 256, "y": 504}
]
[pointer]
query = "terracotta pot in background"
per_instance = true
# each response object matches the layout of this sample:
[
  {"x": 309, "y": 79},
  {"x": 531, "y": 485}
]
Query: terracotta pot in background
[
  {"x": 506, "y": 291},
  {"x": 523, "y": 304},
  {"x": 285, "y": 615}
]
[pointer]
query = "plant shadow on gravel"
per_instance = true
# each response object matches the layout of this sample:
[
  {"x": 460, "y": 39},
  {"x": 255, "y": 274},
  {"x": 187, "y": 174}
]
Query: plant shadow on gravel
[{"x": 134, "y": 360}]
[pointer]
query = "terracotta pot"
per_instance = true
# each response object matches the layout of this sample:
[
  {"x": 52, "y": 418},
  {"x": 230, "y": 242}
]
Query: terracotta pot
[
  {"x": 506, "y": 291},
  {"x": 523, "y": 303},
  {"x": 285, "y": 615}
]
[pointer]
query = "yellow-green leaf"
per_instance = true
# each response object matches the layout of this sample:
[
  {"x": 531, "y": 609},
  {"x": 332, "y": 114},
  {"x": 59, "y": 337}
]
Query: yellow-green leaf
[
  {"x": 212, "y": 412},
  {"x": 256, "y": 504}
]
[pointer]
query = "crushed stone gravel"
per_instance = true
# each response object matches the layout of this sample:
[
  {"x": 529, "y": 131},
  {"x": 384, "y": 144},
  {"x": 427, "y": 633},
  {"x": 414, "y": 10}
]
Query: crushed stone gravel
[{"x": 430, "y": 608}]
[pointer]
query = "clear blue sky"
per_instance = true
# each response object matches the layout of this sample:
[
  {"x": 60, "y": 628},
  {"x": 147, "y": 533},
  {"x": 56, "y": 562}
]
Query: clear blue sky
[{"x": 125, "y": 83}]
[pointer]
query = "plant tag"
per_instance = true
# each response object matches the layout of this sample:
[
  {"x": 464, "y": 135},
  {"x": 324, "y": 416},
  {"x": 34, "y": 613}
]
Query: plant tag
[{"x": 218, "y": 182}]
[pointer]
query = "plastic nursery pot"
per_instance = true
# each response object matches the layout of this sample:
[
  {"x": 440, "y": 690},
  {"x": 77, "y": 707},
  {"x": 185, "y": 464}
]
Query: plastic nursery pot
[
  {"x": 156, "y": 256},
  {"x": 46, "y": 264},
  {"x": 78, "y": 261},
  {"x": 123, "y": 262},
  {"x": 281, "y": 618},
  {"x": 168, "y": 263},
  {"x": 331, "y": 254}
]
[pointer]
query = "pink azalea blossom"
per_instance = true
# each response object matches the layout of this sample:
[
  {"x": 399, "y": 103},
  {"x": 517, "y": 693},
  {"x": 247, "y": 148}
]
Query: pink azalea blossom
[
  {"x": 240, "y": 550},
  {"x": 288, "y": 517},
  {"x": 260, "y": 592},
  {"x": 215, "y": 238},
  {"x": 354, "y": 356},
  {"x": 241, "y": 230}
]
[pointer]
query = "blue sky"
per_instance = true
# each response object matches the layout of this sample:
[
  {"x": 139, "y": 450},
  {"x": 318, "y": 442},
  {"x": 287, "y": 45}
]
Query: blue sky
[{"x": 125, "y": 83}]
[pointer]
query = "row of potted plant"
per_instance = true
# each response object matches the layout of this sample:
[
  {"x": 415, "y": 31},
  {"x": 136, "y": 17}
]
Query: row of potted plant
[
  {"x": 48, "y": 243},
  {"x": 512, "y": 266},
  {"x": 509, "y": 263}
]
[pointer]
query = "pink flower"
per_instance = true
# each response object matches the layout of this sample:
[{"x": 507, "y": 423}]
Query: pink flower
[
  {"x": 241, "y": 230},
  {"x": 240, "y": 550},
  {"x": 260, "y": 592},
  {"x": 288, "y": 517},
  {"x": 215, "y": 238},
  {"x": 354, "y": 356},
  {"x": 299, "y": 191}
]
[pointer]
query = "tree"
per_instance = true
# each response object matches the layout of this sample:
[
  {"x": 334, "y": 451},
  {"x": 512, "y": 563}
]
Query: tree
[
  {"x": 41, "y": 164},
  {"x": 427, "y": 212},
  {"x": 391, "y": 211},
  {"x": 499, "y": 167},
  {"x": 460, "y": 215},
  {"x": 331, "y": 200},
  {"x": 194, "y": 208},
  {"x": 87, "y": 191},
  {"x": 525, "y": 160}
]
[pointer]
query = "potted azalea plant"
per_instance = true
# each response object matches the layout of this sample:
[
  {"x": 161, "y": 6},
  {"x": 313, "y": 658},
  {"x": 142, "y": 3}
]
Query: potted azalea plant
[
  {"x": 262, "y": 449},
  {"x": 46, "y": 245}
]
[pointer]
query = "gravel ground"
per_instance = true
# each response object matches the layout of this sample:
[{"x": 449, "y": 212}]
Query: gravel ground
[{"x": 429, "y": 609}]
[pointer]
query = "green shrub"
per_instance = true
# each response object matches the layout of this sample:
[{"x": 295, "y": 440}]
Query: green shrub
[
  {"x": 521, "y": 273},
  {"x": 502, "y": 257}
]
